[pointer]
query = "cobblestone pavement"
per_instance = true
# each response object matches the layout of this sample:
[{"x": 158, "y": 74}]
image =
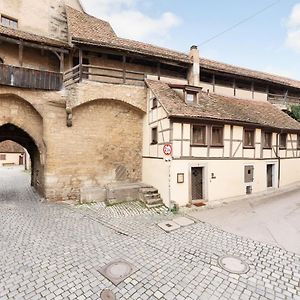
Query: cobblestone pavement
[{"x": 55, "y": 251}]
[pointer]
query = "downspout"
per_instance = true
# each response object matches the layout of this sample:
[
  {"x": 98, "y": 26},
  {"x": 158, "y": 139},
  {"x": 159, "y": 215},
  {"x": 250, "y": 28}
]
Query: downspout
[{"x": 278, "y": 158}]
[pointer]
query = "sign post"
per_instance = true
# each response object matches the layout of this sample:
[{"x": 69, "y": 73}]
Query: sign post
[{"x": 168, "y": 150}]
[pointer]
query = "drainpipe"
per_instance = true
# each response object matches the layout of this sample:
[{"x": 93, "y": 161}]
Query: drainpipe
[{"x": 278, "y": 158}]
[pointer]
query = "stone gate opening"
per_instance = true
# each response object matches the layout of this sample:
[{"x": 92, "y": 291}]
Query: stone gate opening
[{"x": 14, "y": 133}]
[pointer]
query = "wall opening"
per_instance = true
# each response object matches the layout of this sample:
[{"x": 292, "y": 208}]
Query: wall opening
[{"x": 11, "y": 132}]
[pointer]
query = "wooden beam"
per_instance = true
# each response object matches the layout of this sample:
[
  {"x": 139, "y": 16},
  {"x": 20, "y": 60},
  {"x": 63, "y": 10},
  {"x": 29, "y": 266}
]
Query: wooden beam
[
  {"x": 214, "y": 82},
  {"x": 21, "y": 54},
  {"x": 32, "y": 45},
  {"x": 62, "y": 62},
  {"x": 124, "y": 69},
  {"x": 80, "y": 64}
]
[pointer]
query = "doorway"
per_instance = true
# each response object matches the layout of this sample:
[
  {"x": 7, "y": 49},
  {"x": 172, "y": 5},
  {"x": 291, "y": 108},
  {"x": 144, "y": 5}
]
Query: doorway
[
  {"x": 197, "y": 183},
  {"x": 270, "y": 175}
]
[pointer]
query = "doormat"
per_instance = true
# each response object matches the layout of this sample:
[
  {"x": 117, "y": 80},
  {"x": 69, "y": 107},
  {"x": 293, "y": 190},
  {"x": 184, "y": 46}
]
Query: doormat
[{"x": 199, "y": 204}]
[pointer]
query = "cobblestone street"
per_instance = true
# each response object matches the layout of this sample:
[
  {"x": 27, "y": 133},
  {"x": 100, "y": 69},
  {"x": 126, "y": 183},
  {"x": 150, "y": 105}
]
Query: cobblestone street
[{"x": 55, "y": 251}]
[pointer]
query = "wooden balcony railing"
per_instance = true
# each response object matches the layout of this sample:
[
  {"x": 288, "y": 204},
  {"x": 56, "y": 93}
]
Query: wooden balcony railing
[
  {"x": 102, "y": 74},
  {"x": 30, "y": 78},
  {"x": 283, "y": 100}
]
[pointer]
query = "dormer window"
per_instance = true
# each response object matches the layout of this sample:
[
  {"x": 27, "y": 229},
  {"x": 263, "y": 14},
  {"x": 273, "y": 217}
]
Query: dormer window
[
  {"x": 9, "y": 22},
  {"x": 190, "y": 97}
]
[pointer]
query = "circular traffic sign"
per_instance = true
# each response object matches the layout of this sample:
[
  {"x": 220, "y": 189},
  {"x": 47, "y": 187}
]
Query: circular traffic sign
[{"x": 167, "y": 149}]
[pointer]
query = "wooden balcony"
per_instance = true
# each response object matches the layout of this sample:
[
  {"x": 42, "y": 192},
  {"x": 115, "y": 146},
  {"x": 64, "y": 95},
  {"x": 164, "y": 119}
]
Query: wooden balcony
[
  {"x": 102, "y": 74},
  {"x": 283, "y": 101},
  {"x": 30, "y": 78}
]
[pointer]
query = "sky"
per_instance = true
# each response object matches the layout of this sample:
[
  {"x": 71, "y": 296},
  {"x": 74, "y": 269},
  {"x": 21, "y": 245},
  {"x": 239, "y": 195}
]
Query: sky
[{"x": 267, "y": 37}]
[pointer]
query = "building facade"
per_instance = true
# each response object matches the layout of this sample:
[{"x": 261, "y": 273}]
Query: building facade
[{"x": 93, "y": 109}]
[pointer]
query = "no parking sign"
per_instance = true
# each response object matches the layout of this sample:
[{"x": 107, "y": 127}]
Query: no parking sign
[{"x": 167, "y": 149}]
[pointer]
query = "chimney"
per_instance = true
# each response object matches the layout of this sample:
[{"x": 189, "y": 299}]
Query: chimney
[{"x": 194, "y": 71}]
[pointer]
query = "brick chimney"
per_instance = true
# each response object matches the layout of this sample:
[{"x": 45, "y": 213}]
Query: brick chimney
[{"x": 194, "y": 71}]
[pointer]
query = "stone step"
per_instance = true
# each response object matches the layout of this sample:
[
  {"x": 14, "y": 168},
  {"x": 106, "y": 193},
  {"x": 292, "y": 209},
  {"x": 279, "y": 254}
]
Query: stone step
[
  {"x": 148, "y": 190},
  {"x": 154, "y": 205},
  {"x": 151, "y": 196},
  {"x": 153, "y": 201}
]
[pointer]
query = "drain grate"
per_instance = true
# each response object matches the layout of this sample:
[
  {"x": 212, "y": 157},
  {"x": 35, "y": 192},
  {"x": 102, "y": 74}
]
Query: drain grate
[
  {"x": 117, "y": 271},
  {"x": 233, "y": 264},
  {"x": 107, "y": 295}
]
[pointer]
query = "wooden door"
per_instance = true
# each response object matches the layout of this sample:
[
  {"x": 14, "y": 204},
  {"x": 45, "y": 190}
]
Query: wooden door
[
  {"x": 197, "y": 183},
  {"x": 269, "y": 175},
  {"x": 21, "y": 162}
]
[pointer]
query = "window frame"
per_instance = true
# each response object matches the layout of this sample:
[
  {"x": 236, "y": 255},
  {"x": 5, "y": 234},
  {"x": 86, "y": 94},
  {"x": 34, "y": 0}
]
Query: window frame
[
  {"x": 252, "y": 130},
  {"x": 154, "y": 141},
  {"x": 10, "y": 21},
  {"x": 154, "y": 103},
  {"x": 285, "y": 144},
  {"x": 264, "y": 140},
  {"x": 211, "y": 136},
  {"x": 298, "y": 141},
  {"x": 193, "y": 143}
]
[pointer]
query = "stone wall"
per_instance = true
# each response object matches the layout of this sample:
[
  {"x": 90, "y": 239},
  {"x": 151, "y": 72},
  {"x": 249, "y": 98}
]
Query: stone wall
[{"x": 104, "y": 145}]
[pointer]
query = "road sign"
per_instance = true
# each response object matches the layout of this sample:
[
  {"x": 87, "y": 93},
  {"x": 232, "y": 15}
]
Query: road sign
[{"x": 168, "y": 149}]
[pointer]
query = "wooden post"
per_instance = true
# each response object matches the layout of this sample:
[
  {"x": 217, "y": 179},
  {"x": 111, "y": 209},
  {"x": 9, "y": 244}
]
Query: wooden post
[
  {"x": 214, "y": 82},
  {"x": 124, "y": 69},
  {"x": 158, "y": 71},
  {"x": 252, "y": 89},
  {"x": 62, "y": 62},
  {"x": 80, "y": 65},
  {"x": 234, "y": 87},
  {"x": 21, "y": 54}
]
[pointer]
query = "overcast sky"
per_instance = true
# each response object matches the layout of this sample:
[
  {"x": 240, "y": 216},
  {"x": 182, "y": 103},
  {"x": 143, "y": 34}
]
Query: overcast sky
[{"x": 269, "y": 42}]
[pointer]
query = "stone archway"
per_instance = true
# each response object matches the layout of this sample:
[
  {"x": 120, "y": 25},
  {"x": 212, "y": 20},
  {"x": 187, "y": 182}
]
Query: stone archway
[{"x": 12, "y": 132}]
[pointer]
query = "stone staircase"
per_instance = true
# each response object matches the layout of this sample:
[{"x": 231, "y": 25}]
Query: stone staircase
[{"x": 150, "y": 197}]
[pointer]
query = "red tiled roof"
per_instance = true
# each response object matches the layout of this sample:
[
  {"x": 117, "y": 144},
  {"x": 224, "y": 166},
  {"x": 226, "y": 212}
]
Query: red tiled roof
[
  {"x": 10, "y": 147},
  {"x": 86, "y": 29},
  {"x": 215, "y": 107}
]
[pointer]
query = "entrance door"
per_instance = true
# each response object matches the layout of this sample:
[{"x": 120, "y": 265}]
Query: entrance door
[
  {"x": 270, "y": 175},
  {"x": 21, "y": 160},
  {"x": 197, "y": 183}
]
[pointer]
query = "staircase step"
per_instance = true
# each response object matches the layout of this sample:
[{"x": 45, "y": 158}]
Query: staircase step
[
  {"x": 154, "y": 205},
  {"x": 148, "y": 190},
  {"x": 151, "y": 196},
  {"x": 153, "y": 201}
]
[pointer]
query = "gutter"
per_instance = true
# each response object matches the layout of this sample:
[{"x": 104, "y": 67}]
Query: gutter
[{"x": 278, "y": 158}]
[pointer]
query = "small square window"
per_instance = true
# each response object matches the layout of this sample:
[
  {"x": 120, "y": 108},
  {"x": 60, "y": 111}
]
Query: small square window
[
  {"x": 154, "y": 135},
  {"x": 282, "y": 140},
  {"x": 190, "y": 97},
  {"x": 217, "y": 136},
  {"x": 199, "y": 135},
  {"x": 2, "y": 156},
  {"x": 267, "y": 139},
  {"x": 9, "y": 22},
  {"x": 249, "y": 138}
]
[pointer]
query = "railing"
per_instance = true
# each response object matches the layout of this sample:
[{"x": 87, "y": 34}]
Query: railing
[
  {"x": 30, "y": 78},
  {"x": 102, "y": 74},
  {"x": 283, "y": 100}
]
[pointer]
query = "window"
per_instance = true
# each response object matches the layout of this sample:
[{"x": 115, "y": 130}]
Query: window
[
  {"x": 298, "y": 141},
  {"x": 2, "y": 157},
  {"x": 267, "y": 139},
  {"x": 154, "y": 103},
  {"x": 154, "y": 136},
  {"x": 217, "y": 136},
  {"x": 199, "y": 135},
  {"x": 1, "y": 61},
  {"x": 249, "y": 138},
  {"x": 282, "y": 140},
  {"x": 9, "y": 22},
  {"x": 190, "y": 97}
]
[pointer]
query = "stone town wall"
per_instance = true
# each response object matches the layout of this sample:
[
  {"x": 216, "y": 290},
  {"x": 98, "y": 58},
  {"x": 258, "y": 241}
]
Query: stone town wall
[{"x": 104, "y": 144}]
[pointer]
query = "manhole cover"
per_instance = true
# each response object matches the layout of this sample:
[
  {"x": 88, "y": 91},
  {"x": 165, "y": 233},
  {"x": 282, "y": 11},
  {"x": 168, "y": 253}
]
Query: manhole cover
[
  {"x": 107, "y": 295},
  {"x": 168, "y": 226},
  {"x": 233, "y": 264},
  {"x": 117, "y": 271}
]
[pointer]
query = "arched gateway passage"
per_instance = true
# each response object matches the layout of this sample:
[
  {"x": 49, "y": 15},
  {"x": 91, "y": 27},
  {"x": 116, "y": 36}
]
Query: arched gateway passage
[{"x": 14, "y": 133}]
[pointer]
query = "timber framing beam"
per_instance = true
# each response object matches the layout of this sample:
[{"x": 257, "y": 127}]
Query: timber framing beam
[{"x": 32, "y": 45}]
